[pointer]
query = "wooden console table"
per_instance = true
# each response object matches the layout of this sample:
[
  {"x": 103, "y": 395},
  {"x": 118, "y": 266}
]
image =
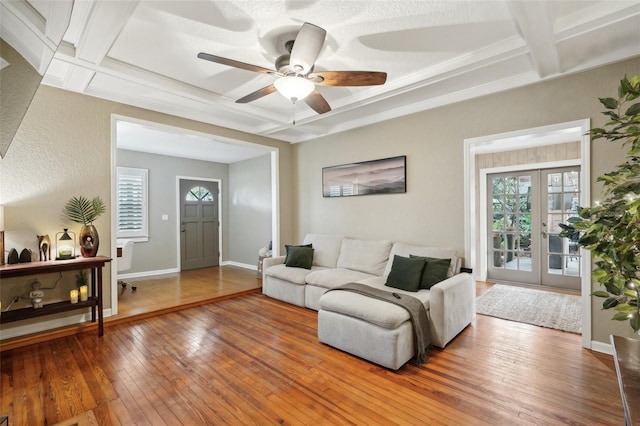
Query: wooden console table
[{"x": 53, "y": 266}]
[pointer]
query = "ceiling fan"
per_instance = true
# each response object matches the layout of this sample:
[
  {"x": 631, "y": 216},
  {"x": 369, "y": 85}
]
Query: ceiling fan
[{"x": 296, "y": 79}]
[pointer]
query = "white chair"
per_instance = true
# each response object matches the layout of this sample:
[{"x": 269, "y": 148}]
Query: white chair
[{"x": 124, "y": 262}]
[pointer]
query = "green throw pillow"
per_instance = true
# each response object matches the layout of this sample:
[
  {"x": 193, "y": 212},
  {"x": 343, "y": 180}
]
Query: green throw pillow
[
  {"x": 405, "y": 273},
  {"x": 435, "y": 270},
  {"x": 299, "y": 257},
  {"x": 288, "y": 247}
]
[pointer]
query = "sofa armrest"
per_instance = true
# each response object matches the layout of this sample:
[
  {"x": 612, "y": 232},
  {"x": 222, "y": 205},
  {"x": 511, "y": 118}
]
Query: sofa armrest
[
  {"x": 452, "y": 307},
  {"x": 270, "y": 261}
]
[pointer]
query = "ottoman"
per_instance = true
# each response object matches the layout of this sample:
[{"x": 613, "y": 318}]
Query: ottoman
[{"x": 369, "y": 328}]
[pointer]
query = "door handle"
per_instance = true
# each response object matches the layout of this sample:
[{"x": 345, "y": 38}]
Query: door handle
[
  {"x": 182, "y": 228},
  {"x": 544, "y": 234}
]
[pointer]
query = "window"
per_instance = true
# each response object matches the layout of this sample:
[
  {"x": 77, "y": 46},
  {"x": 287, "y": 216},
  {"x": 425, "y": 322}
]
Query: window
[
  {"x": 198, "y": 193},
  {"x": 133, "y": 204}
]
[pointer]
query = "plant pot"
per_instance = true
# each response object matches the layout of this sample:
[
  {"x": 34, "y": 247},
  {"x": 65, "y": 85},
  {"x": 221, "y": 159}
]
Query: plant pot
[{"x": 89, "y": 241}]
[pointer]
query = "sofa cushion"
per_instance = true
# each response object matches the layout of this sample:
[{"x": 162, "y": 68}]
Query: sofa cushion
[
  {"x": 330, "y": 278},
  {"x": 326, "y": 249},
  {"x": 370, "y": 257},
  {"x": 435, "y": 270},
  {"x": 293, "y": 275},
  {"x": 368, "y": 309},
  {"x": 299, "y": 257},
  {"x": 406, "y": 273},
  {"x": 402, "y": 249}
]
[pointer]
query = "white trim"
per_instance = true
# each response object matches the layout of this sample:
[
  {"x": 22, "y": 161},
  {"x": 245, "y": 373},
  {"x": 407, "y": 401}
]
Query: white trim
[
  {"x": 114, "y": 216},
  {"x": 605, "y": 348},
  {"x": 538, "y": 136},
  {"x": 240, "y": 265},
  {"x": 179, "y": 200},
  {"x": 275, "y": 202},
  {"x": 148, "y": 273}
]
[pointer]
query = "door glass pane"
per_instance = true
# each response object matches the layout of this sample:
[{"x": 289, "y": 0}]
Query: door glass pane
[
  {"x": 554, "y": 182},
  {"x": 563, "y": 254},
  {"x": 511, "y": 222}
]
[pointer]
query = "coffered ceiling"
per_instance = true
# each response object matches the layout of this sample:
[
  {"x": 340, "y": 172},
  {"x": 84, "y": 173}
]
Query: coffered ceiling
[{"x": 144, "y": 53}]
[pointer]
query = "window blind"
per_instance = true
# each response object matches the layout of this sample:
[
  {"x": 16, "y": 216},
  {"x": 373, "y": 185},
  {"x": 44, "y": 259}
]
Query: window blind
[{"x": 132, "y": 202}]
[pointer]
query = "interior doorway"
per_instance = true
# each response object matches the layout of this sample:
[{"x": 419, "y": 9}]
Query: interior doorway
[
  {"x": 524, "y": 210},
  {"x": 169, "y": 148},
  {"x": 545, "y": 136}
]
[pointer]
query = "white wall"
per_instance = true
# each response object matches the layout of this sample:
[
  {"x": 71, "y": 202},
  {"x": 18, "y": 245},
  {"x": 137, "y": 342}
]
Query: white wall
[{"x": 250, "y": 202}]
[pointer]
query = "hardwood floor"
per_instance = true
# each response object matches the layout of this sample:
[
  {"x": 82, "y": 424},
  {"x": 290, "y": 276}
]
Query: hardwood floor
[
  {"x": 185, "y": 289},
  {"x": 256, "y": 360}
]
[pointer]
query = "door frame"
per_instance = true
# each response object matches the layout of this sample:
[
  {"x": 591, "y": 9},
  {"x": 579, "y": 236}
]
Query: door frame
[
  {"x": 275, "y": 190},
  {"x": 484, "y": 204},
  {"x": 527, "y": 138},
  {"x": 180, "y": 178}
]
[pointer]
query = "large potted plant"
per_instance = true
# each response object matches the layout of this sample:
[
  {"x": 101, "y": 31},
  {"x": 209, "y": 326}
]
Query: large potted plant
[
  {"x": 611, "y": 229},
  {"x": 85, "y": 211}
]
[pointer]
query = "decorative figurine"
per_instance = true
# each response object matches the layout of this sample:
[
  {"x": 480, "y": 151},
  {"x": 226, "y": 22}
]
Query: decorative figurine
[{"x": 44, "y": 242}]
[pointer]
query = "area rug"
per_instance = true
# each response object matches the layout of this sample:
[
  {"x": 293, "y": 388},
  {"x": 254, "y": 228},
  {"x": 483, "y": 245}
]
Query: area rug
[{"x": 531, "y": 306}]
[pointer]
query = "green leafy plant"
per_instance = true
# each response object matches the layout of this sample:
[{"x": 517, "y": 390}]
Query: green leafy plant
[
  {"x": 81, "y": 279},
  {"x": 611, "y": 229},
  {"x": 84, "y": 211}
]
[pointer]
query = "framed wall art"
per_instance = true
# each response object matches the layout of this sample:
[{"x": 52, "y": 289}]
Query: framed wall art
[{"x": 384, "y": 176}]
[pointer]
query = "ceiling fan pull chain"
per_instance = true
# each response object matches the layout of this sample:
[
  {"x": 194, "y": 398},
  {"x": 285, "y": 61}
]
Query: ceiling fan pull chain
[{"x": 293, "y": 101}]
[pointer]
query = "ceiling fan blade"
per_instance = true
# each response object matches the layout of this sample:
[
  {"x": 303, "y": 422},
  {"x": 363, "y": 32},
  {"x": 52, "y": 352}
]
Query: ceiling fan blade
[
  {"x": 317, "y": 102},
  {"x": 257, "y": 94},
  {"x": 306, "y": 47},
  {"x": 348, "y": 78},
  {"x": 235, "y": 64}
]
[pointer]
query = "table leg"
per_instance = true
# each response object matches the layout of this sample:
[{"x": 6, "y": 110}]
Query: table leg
[
  {"x": 100, "y": 319},
  {"x": 93, "y": 293}
]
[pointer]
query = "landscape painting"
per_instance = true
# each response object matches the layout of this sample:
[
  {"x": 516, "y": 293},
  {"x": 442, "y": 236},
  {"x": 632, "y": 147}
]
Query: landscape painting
[{"x": 385, "y": 176}]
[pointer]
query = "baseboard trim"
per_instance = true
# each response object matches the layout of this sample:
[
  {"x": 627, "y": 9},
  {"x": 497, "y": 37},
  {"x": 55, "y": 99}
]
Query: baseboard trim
[
  {"x": 148, "y": 273},
  {"x": 240, "y": 265},
  {"x": 605, "y": 348}
]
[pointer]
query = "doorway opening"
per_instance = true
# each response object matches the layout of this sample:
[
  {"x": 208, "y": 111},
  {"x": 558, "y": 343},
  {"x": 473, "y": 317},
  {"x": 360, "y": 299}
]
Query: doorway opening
[
  {"x": 474, "y": 191},
  {"x": 219, "y": 166}
]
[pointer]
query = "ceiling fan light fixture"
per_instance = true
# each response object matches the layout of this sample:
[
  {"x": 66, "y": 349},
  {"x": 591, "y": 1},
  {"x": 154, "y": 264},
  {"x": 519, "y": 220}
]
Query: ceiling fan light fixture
[{"x": 294, "y": 88}]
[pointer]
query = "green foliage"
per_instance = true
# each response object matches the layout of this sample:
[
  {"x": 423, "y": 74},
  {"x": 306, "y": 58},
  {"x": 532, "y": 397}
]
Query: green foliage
[
  {"x": 611, "y": 229},
  {"x": 81, "y": 278},
  {"x": 84, "y": 211}
]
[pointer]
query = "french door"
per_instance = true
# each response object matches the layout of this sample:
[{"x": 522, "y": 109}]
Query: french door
[{"x": 525, "y": 210}]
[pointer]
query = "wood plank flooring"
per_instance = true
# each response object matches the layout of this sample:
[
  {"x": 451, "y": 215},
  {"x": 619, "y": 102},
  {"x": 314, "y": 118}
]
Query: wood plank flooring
[
  {"x": 187, "y": 288},
  {"x": 256, "y": 360}
]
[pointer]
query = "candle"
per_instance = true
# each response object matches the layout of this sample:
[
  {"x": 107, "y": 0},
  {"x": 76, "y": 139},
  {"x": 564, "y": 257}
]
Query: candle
[
  {"x": 73, "y": 295},
  {"x": 84, "y": 293},
  {"x": 64, "y": 253}
]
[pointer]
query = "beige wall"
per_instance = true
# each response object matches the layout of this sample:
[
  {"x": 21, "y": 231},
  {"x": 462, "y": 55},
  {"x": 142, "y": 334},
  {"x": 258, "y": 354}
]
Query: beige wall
[
  {"x": 62, "y": 149},
  {"x": 431, "y": 212}
]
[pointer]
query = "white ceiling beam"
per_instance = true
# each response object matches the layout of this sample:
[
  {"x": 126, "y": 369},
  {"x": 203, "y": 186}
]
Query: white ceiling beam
[
  {"x": 536, "y": 27},
  {"x": 106, "y": 20}
]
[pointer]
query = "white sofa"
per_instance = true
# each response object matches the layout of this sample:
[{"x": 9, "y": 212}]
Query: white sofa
[{"x": 373, "y": 329}]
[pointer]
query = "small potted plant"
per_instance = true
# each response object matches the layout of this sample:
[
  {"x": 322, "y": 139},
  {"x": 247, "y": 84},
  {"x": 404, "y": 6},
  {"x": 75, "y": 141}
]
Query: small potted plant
[{"x": 85, "y": 211}]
